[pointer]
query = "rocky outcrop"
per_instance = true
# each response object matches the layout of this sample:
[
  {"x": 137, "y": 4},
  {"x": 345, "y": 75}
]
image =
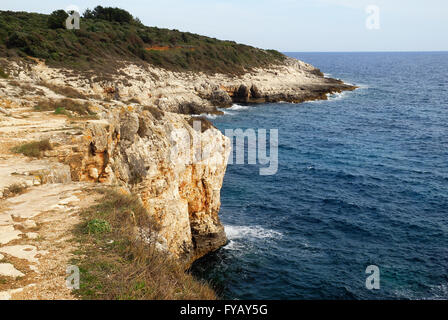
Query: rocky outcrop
[
  {"x": 187, "y": 92},
  {"x": 177, "y": 171}
]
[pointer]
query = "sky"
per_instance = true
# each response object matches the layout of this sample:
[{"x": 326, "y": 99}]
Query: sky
[{"x": 288, "y": 25}]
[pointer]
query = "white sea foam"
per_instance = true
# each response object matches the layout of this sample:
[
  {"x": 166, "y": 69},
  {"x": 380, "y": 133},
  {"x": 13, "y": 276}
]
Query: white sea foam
[
  {"x": 362, "y": 86},
  {"x": 235, "y": 107},
  {"x": 238, "y": 107},
  {"x": 336, "y": 96},
  {"x": 209, "y": 116},
  {"x": 250, "y": 232},
  {"x": 439, "y": 292},
  {"x": 233, "y": 245}
]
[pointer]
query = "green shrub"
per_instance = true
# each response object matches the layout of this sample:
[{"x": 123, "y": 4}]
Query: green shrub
[
  {"x": 17, "y": 40},
  {"x": 109, "y": 14},
  {"x": 57, "y": 19},
  {"x": 98, "y": 226},
  {"x": 61, "y": 110}
]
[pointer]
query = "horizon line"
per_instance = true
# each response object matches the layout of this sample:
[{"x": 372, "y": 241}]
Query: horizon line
[{"x": 370, "y": 51}]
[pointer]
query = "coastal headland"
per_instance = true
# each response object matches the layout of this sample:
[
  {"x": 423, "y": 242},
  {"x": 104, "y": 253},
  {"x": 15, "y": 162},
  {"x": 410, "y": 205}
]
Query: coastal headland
[{"x": 111, "y": 120}]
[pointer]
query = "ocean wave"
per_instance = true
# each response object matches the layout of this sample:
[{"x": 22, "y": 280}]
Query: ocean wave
[
  {"x": 209, "y": 116},
  {"x": 336, "y": 96},
  {"x": 225, "y": 112},
  {"x": 250, "y": 232},
  {"x": 238, "y": 107},
  {"x": 439, "y": 292},
  {"x": 234, "y": 246}
]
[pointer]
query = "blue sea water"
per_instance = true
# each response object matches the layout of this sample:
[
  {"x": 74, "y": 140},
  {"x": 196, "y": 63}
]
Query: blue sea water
[{"x": 362, "y": 180}]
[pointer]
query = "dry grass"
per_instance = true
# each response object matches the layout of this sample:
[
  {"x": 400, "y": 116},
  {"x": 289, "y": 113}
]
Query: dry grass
[
  {"x": 66, "y": 91},
  {"x": 3, "y": 74},
  {"x": 14, "y": 190},
  {"x": 156, "y": 112},
  {"x": 119, "y": 263},
  {"x": 33, "y": 149},
  {"x": 66, "y": 107}
]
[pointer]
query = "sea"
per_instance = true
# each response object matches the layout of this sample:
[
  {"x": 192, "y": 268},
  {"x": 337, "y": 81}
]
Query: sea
[{"x": 362, "y": 181}]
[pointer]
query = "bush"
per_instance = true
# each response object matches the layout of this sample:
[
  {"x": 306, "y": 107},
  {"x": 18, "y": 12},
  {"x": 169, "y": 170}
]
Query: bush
[
  {"x": 17, "y": 40},
  {"x": 57, "y": 19},
  {"x": 109, "y": 14},
  {"x": 33, "y": 149}
]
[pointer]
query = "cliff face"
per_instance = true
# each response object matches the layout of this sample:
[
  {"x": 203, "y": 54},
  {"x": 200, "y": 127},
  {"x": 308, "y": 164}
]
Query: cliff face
[
  {"x": 177, "y": 171},
  {"x": 144, "y": 137},
  {"x": 188, "y": 92}
]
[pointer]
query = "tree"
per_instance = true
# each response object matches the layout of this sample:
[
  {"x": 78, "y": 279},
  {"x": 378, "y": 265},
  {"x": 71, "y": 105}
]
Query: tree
[
  {"x": 57, "y": 19},
  {"x": 109, "y": 14}
]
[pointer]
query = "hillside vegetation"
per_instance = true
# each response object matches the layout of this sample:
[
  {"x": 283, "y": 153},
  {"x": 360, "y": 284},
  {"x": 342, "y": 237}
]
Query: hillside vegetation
[{"x": 111, "y": 34}]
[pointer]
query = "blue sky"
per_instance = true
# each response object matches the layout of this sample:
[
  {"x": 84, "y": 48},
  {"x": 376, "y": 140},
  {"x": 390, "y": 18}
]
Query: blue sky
[{"x": 287, "y": 25}]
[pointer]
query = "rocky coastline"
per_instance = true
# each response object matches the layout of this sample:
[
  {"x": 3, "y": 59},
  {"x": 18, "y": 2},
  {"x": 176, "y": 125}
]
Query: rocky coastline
[{"x": 123, "y": 131}]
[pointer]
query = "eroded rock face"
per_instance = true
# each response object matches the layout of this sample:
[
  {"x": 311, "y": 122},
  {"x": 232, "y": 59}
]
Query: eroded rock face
[
  {"x": 177, "y": 171},
  {"x": 186, "y": 92}
]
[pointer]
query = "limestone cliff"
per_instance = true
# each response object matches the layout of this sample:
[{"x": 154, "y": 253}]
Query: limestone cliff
[
  {"x": 135, "y": 130},
  {"x": 152, "y": 153},
  {"x": 186, "y": 92}
]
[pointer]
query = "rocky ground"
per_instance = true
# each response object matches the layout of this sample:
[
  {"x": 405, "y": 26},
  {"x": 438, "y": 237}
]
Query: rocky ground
[{"x": 38, "y": 209}]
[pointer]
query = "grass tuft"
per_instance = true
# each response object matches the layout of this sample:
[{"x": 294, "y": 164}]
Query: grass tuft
[
  {"x": 98, "y": 226},
  {"x": 33, "y": 149}
]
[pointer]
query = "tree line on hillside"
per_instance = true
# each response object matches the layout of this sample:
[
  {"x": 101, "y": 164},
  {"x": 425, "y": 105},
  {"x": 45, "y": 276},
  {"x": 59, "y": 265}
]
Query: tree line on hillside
[
  {"x": 100, "y": 41},
  {"x": 57, "y": 18}
]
